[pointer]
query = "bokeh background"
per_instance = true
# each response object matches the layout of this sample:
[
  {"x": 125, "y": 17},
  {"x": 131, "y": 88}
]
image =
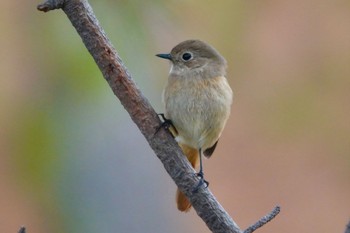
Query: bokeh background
[{"x": 71, "y": 160}]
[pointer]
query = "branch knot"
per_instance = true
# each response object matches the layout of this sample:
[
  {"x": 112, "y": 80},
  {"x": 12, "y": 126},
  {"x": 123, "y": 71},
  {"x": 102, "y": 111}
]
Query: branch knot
[{"x": 50, "y": 5}]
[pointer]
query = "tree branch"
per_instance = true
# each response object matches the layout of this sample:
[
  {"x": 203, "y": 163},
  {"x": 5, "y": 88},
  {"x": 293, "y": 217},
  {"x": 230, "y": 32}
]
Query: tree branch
[{"x": 141, "y": 112}]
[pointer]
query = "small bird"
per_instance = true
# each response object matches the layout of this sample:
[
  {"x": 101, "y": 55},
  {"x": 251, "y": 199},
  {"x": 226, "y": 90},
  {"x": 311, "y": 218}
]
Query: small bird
[{"x": 197, "y": 102}]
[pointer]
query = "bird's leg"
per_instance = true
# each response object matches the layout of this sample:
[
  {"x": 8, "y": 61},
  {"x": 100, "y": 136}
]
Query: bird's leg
[
  {"x": 166, "y": 124},
  {"x": 200, "y": 174}
]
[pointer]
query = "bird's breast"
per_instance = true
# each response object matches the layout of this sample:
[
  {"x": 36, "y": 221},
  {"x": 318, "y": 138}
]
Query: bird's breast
[{"x": 198, "y": 108}]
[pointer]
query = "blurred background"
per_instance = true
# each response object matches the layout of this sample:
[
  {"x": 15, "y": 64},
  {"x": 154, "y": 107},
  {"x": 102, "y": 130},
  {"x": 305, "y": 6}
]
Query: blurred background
[{"x": 71, "y": 159}]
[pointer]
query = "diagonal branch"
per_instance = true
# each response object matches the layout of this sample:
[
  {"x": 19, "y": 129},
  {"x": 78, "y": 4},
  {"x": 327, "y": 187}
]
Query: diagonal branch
[{"x": 141, "y": 112}]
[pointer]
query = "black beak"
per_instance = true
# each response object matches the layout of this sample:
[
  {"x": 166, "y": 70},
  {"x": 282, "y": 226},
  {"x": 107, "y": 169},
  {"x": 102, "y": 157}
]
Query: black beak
[{"x": 165, "y": 56}]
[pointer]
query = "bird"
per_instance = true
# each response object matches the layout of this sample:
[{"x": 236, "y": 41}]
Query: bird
[{"x": 197, "y": 100}]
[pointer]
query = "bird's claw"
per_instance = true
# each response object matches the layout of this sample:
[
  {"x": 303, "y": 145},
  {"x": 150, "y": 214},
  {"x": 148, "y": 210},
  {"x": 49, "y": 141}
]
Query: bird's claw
[
  {"x": 166, "y": 124},
  {"x": 201, "y": 182}
]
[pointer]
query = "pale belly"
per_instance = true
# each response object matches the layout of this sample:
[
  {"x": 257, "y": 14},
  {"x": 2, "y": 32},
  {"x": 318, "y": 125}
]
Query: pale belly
[{"x": 198, "y": 112}]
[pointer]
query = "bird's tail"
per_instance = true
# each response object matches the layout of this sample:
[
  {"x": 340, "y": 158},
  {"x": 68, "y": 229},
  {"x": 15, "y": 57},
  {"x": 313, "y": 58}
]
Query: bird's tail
[{"x": 192, "y": 155}]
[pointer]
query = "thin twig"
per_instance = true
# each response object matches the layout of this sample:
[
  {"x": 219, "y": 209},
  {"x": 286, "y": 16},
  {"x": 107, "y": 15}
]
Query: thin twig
[
  {"x": 22, "y": 230},
  {"x": 347, "y": 229},
  {"x": 263, "y": 220}
]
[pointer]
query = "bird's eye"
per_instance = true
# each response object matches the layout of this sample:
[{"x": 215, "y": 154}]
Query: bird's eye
[{"x": 186, "y": 56}]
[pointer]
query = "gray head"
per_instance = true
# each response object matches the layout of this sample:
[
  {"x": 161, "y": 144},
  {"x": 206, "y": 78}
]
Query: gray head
[{"x": 196, "y": 56}]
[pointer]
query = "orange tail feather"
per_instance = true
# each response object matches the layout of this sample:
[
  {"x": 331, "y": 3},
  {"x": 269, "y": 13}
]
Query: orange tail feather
[{"x": 192, "y": 155}]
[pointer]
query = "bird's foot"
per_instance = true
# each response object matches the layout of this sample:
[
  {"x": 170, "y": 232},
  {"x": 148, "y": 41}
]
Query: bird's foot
[
  {"x": 166, "y": 124},
  {"x": 201, "y": 182}
]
